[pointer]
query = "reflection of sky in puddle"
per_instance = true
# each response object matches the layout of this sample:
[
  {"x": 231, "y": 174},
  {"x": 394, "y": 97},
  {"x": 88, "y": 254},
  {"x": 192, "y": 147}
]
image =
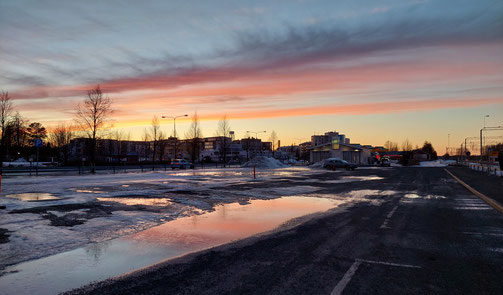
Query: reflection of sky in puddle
[
  {"x": 344, "y": 179},
  {"x": 88, "y": 191},
  {"x": 138, "y": 201},
  {"x": 99, "y": 261},
  {"x": 33, "y": 197}
]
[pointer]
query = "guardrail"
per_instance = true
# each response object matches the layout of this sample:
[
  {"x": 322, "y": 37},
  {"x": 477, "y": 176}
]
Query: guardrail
[{"x": 491, "y": 169}]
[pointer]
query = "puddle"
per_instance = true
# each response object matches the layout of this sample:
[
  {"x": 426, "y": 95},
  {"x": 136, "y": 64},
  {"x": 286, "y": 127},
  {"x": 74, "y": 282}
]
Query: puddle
[
  {"x": 89, "y": 191},
  {"x": 344, "y": 179},
  {"x": 427, "y": 197},
  {"x": 99, "y": 261},
  {"x": 33, "y": 197},
  {"x": 138, "y": 201}
]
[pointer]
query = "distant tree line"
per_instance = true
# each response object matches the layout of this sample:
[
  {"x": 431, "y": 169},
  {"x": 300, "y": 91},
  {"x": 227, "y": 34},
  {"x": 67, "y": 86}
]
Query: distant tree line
[{"x": 91, "y": 120}]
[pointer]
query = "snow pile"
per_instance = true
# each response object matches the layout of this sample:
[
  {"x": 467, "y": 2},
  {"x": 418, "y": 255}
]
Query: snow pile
[
  {"x": 264, "y": 163},
  {"x": 317, "y": 164},
  {"x": 21, "y": 162}
]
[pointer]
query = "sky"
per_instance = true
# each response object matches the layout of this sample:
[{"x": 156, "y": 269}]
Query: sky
[{"x": 373, "y": 70}]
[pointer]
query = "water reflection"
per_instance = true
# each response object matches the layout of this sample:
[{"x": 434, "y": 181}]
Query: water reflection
[
  {"x": 232, "y": 221},
  {"x": 99, "y": 261},
  {"x": 138, "y": 201},
  {"x": 33, "y": 197},
  {"x": 96, "y": 250}
]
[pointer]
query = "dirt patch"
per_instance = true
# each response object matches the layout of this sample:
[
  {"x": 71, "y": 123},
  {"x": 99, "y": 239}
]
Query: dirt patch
[
  {"x": 75, "y": 214},
  {"x": 4, "y": 236}
]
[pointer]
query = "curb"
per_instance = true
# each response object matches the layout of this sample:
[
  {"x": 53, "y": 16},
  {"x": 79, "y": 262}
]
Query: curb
[{"x": 485, "y": 198}]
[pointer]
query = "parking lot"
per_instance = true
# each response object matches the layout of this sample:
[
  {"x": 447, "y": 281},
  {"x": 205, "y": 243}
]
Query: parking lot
[{"x": 416, "y": 231}]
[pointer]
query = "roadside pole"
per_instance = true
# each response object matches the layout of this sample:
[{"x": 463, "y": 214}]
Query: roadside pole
[
  {"x": 1, "y": 206},
  {"x": 38, "y": 144}
]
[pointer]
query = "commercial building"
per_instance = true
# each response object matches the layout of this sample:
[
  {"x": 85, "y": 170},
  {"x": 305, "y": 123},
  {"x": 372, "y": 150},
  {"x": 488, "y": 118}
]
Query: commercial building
[{"x": 335, "y": 145}]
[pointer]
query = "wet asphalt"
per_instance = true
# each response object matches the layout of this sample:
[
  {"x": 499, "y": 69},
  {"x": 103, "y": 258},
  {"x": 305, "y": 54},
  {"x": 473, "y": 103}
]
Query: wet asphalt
[{"x": 429, "y": 236}]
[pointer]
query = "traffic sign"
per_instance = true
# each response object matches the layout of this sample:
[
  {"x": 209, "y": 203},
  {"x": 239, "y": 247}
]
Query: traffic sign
[{"x": 38, "y": 142}]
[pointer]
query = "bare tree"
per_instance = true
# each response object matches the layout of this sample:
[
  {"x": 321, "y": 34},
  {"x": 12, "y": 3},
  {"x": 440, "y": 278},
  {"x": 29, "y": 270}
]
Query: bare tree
[
  {"x": 406, "y": 145},
  {"x": 92, "y": 115},
  {"x": 194, "y": 136},
  {"x": 273, "y": 138},
  {"x": 155, "y": 131},
  {"x": 60, "y": 137},
  {"x": 5, "y": 112},
  {"x": 18, "y": 127},
  {"x": 391, "y": 146},
  {"x": 223, "y": 131}
]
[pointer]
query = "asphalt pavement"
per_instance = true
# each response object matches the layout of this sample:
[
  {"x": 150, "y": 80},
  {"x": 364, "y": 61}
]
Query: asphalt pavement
[{"x": 426, "y": 235}]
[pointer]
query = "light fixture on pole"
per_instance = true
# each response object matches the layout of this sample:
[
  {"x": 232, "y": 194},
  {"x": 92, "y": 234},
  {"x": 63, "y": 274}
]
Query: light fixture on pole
[
  {"x": 448, "y": 143},
  {"x": 174, "y": 126},
  {"x": 256, "y": 133},
  {"x": 256, "y": 137}
]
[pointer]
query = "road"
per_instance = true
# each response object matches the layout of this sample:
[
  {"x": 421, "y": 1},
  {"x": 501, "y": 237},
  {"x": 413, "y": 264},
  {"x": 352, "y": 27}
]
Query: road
[{"x": 426, "y": 235}]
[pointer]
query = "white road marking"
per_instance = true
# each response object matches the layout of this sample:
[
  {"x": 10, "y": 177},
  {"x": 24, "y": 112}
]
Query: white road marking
[
  {"x": 388, "y": 263},
  {"x": 346, "y": 278},
  {"x": 354, "y": 267},
  {"x": 481, "y": 234},
  {"x": 385, "y": 223}
]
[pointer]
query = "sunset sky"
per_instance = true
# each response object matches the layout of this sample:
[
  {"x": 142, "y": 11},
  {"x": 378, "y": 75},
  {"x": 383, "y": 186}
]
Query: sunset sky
[{"x": 374, "y": 70}]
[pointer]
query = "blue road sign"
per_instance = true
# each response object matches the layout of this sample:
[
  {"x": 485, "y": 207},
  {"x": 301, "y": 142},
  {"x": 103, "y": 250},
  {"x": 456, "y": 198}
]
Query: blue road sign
[{"x": 38, "y": 143}]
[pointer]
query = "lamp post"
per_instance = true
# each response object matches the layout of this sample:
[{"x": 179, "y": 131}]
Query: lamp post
[
  {"x": 448, "y": 143},
  {"x": 256, "y": 136},
  {"x": 174, "y": 126},
  {"x": 484, "y": 139},
  {"x": 486, "y": 116},
  {"x": 487, "y": 129}
]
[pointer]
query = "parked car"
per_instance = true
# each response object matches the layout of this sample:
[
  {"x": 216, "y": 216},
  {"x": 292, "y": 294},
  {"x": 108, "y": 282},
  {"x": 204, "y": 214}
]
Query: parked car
[
  {"x": 385, "y": 162},
  {"x": 333, "y": 163},
  {"x": 181, "y": 164}
]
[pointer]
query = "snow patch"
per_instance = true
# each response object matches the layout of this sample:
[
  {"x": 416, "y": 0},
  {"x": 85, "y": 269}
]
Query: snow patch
[{"x": 264, "y": 163}]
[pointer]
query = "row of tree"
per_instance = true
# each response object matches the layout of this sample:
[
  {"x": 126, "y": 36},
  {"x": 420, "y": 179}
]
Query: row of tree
[{"x": 91, "y": 119}]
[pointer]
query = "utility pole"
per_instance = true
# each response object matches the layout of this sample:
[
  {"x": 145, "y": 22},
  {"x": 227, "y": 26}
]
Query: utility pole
[
  {"x": 487, "y": 129},
  {"x": 448, "y": 143},
  {"x": 174, "y": 127},
  {"x": 481, "y": 153},
  {"x": 256, "y": 136}
]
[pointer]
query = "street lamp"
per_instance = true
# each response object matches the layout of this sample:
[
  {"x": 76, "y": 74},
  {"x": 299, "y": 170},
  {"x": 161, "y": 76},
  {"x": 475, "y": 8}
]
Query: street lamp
[
  {"x": 174, "y": 126},
  {"x": 256, "y": 133},
  {"x": 256, "y": 136},
  {"x": 448, "y": 143}
]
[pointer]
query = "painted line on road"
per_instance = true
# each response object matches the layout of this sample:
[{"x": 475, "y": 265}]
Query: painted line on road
[
  {"x": 481, "y": 234},
  {"x": 385, "y": 223},
  {"x": 354, "y": 267},
  {"x": 488, "y": 200},
  {"x": 388, "y": 263},
  {"x": 346, "y": 278}
]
